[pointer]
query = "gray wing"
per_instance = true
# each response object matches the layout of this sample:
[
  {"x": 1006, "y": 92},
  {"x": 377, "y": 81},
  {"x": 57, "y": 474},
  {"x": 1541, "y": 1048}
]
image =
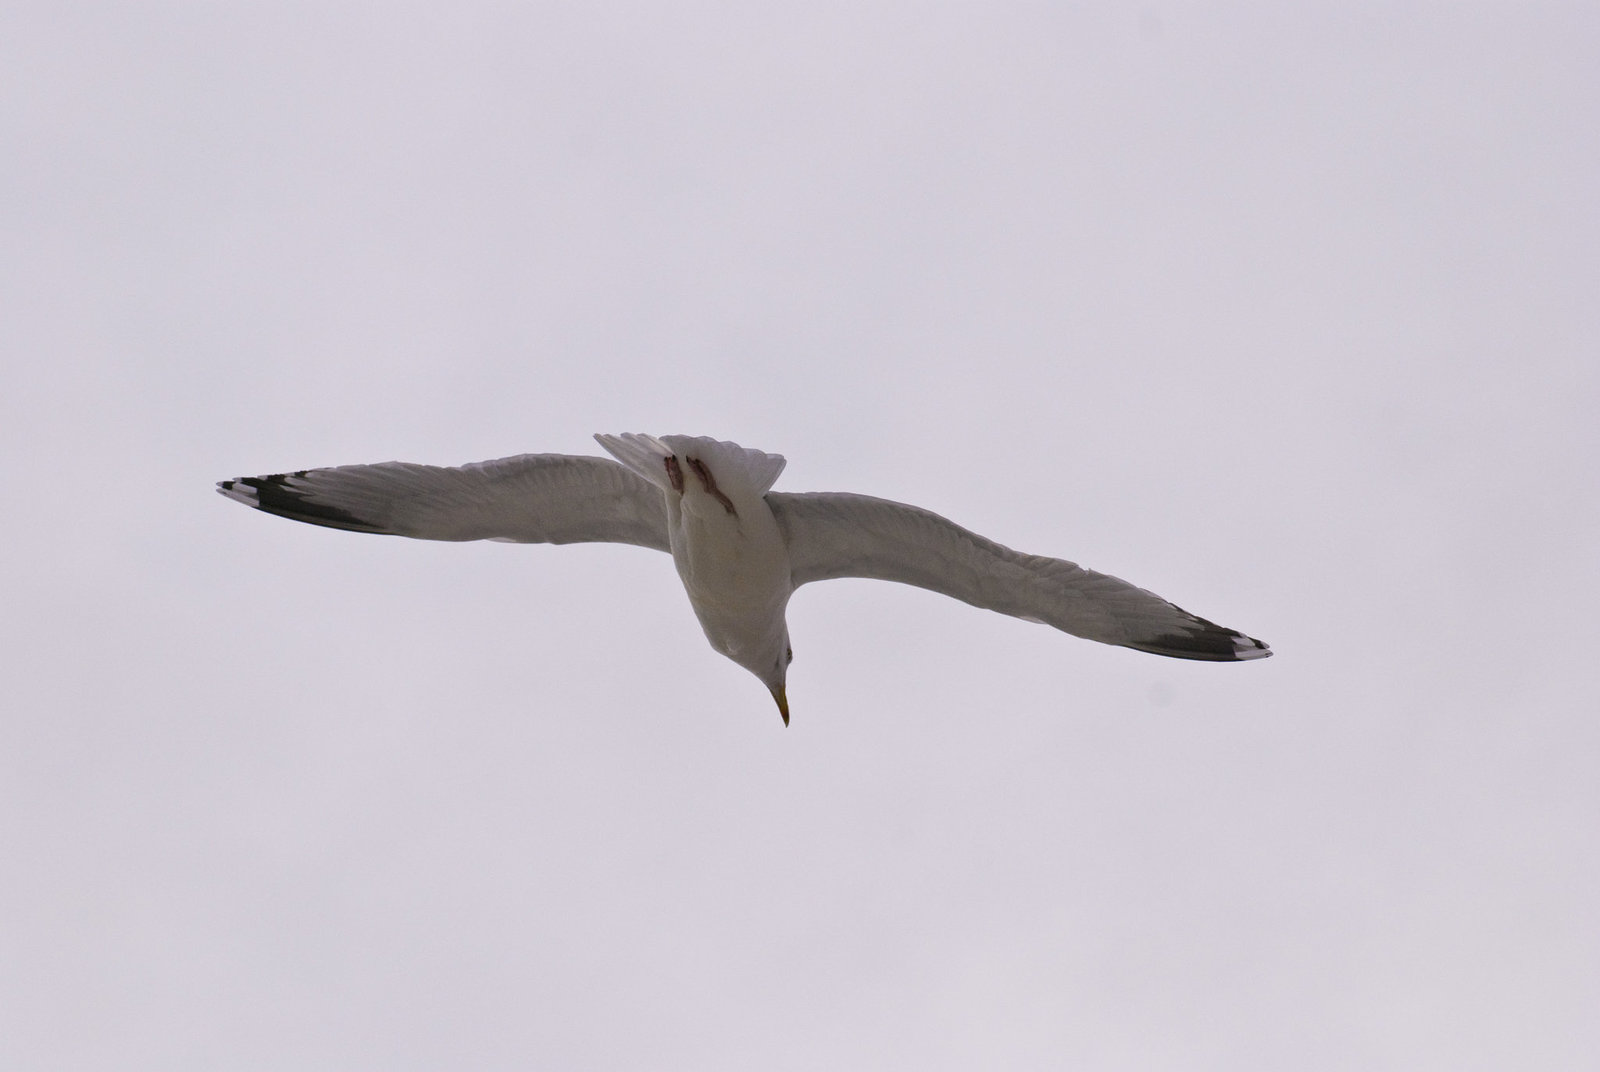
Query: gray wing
[
  {"x": 531, "y": 498},
  {"x": 843, "y": 535}
]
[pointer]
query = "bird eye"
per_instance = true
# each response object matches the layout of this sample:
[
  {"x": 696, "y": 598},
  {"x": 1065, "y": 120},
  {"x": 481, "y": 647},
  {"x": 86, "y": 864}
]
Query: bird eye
[{"x": 788, "y": 657}]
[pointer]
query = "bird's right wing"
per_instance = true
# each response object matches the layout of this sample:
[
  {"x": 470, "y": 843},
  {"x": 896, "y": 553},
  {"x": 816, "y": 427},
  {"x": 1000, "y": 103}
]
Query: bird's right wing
[
  {"x": 844, "y": 535},
  {"x": 530, "y": 498}
]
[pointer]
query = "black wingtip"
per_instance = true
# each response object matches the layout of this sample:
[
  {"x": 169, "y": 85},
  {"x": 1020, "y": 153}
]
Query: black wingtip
[
  {"x": 1206, "y": 641},
  {"x": 238, "y": 491},
  {"x": 287, "y": 495}
]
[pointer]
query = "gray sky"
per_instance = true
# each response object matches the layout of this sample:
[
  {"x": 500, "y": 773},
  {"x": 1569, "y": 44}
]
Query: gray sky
[{"x": 1287, "y": 315}]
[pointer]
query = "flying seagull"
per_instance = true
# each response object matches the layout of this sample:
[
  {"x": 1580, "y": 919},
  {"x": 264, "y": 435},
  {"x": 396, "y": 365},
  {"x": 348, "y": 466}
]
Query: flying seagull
[{"x": 741, "y": 548}]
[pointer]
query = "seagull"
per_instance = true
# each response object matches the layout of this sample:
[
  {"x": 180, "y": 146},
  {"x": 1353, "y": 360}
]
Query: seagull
[{"x": 741, "y": 548}]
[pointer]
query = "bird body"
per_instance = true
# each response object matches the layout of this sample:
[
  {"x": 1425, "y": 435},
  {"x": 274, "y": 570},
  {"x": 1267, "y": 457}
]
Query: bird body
[
  {"x": 740, "y": 548},
  {"x": 725, "y": 541}
]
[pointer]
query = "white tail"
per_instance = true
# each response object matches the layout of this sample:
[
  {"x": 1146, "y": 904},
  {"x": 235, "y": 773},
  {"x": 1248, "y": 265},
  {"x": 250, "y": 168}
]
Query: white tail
[
  {"x": 644, "y": 454},
  {"x": 734, "y": 466}
]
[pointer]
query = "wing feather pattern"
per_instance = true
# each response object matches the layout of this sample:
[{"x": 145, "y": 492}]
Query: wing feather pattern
[
  {"x": 529, "y": 498},
  {"x": 845, "y": 535}
]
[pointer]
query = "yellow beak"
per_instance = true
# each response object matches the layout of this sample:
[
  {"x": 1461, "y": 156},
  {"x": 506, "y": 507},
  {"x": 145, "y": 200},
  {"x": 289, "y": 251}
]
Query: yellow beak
[{"x": 783, "y": 703}]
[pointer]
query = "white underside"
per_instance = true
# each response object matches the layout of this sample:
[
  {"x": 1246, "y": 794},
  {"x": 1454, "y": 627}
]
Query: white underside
[
  {"x": 734, "y": 564},
  {"x": 734, "y": 567}
]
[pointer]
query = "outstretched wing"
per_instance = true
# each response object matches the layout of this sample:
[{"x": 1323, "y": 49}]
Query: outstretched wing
[
  {"x": 531, "y": 498},
  {"x": 844, "y": 535}
]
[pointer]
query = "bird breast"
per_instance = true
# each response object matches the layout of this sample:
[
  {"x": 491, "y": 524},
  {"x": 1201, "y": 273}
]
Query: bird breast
[{"x": 734, "y": 560}]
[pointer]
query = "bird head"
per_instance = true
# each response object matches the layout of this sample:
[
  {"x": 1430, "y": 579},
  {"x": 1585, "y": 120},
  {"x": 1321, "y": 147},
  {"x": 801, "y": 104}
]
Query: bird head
[
  {"x": 769, "y": 661},
  {"x": 775, "y": 676}
]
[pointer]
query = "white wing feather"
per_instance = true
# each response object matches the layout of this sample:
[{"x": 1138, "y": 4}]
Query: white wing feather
[
  {"x": 530, "y": 498},
  {"x": 844, "y": 535}
]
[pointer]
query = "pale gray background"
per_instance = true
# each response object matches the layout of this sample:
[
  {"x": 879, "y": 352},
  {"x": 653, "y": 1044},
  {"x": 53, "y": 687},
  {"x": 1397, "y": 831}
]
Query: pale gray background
[{"x": 1287, "y": 315}]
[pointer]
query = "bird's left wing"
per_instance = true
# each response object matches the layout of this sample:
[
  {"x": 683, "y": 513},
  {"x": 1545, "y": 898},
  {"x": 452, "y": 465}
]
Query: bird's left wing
[
  {"x": 530, "y": 498},
  {"x": 845, "y": 535}
]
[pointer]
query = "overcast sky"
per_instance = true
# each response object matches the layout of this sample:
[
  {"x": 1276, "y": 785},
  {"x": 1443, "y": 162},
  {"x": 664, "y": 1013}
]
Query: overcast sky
[{"x": 1288, "y": 313}]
